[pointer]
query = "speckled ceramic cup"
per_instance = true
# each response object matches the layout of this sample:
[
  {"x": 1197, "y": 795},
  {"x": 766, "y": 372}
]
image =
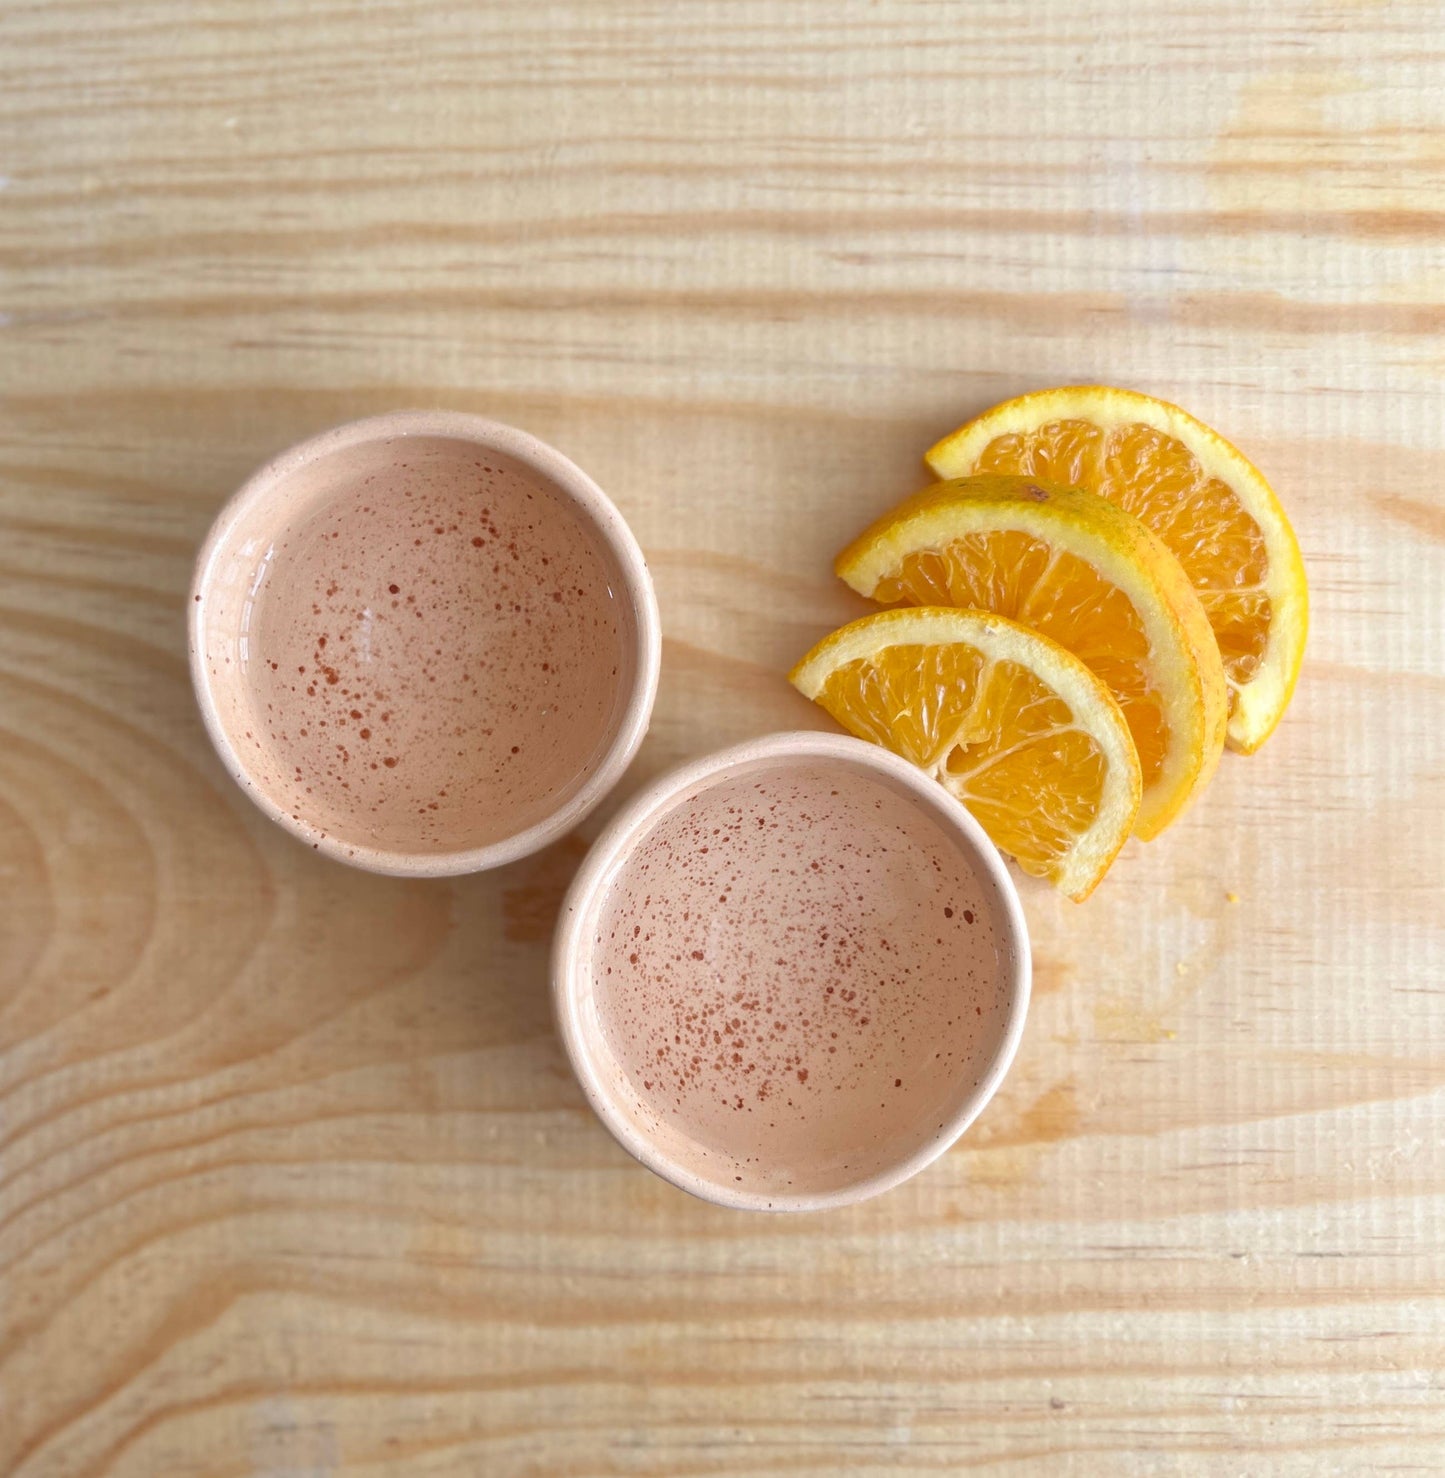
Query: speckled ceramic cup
[
  {"x": 789, "y": 976},
  {"x": 424, "y": 643}
]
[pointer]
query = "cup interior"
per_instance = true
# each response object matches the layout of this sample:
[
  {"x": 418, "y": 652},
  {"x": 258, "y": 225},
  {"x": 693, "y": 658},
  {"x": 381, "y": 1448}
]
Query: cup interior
[
  {"x": 790, "y": 975},
  {"x": 424, "y": 644}
]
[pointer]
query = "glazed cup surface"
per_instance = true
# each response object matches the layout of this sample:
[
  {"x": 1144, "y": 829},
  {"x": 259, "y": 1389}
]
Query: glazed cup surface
[
  {"x": 300, "y": 484},
  {"x": 581, "y": 954}
]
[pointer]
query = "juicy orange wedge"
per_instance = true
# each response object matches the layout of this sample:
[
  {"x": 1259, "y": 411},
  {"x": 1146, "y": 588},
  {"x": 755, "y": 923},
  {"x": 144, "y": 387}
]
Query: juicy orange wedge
[
  {"x": 1204, "y": 499},
  {"x": 1077, "y": 569},
  {"x": 1014, "y": 726}
]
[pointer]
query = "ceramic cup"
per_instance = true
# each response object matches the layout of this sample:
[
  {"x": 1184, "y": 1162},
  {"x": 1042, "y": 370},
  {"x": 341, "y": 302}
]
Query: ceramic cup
[
  {"x": 789, "y": 975},
  {"x": 424, "y": 643}
]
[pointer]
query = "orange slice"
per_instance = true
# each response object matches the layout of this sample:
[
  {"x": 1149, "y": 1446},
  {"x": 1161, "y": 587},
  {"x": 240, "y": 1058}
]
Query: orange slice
[
  {"x": 1204, "y": 499},
  {"x": 1014, "y": 726},
  {"x": 1072, "y": 566}
]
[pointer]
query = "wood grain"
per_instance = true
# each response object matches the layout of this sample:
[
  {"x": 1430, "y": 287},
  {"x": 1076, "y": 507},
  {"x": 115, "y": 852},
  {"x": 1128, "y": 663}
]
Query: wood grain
[{"x": 293, "y": 1178}]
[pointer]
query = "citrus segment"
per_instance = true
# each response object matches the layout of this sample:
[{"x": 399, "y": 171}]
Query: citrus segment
[
  {"x": 1072, "y": 566},
  {"x": 1014, "y": 726},
  {"x": 1202, "y": 497}
]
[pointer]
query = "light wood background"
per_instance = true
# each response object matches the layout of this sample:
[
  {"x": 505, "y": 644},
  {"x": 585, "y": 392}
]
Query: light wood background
[{"x": 293, "y": 1178}]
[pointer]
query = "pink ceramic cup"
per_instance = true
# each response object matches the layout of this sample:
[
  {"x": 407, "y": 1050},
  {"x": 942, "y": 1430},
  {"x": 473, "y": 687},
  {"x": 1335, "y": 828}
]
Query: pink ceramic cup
[
  {"x": 789, "y": 975},
  {"x": 424, "y": 643}
]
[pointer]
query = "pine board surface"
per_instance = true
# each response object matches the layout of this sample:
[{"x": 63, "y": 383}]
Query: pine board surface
[{"x": 293, "y": 1177}]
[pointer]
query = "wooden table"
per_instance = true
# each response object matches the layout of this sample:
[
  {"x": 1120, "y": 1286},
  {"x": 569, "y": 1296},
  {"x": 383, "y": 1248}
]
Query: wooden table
[{"x": 294, "y": 1179}]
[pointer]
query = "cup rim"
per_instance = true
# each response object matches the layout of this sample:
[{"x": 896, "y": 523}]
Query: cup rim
[
  {"x": 621, "y": 836},
  {"x": 600, "y": 513}
]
